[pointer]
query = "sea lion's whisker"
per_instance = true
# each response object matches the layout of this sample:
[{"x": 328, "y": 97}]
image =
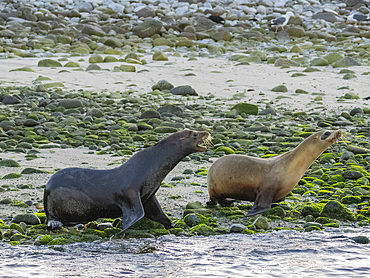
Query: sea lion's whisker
[{"x": 208, "y": 141}]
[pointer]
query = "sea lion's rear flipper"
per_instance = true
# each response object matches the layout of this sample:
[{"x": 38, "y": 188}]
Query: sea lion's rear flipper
[
  {"x": 257, "y": 209},
  {"x": 261, "y": 204},
  {"x": 154, "y": 212},
  {"x": 132, "y": 210}
]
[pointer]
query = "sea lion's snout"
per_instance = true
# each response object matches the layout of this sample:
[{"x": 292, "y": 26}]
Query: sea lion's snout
[
  {"x": 331, "y": 136},
  {"x": 205, "y": 139},
  {"x": 338, "y": 135}
]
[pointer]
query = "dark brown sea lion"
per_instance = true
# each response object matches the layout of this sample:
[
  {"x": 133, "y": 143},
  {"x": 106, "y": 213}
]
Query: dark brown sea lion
[
  {"x": 265, "y": 180},
  {"x": 78, "y": 195}
]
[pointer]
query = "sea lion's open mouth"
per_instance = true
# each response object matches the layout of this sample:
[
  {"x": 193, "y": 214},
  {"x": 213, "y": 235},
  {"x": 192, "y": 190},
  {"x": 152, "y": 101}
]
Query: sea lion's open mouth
[{"x": 205, "y": 141}]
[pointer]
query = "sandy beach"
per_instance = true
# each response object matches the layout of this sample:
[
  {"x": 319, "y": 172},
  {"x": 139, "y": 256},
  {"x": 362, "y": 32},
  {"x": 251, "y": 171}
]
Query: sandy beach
[{"x": 217, "y": 76}]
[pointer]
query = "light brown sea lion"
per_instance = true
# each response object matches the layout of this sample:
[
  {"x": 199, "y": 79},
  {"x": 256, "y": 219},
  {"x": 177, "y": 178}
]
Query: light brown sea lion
[
  {"x": 265, "y": 180},
  {"x": 78, "y": 195}
]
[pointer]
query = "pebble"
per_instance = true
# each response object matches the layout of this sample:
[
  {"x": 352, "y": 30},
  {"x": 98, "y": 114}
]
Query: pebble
[
  {"x": 261, "y": 223},
  {"x": 237, "y": 228}
]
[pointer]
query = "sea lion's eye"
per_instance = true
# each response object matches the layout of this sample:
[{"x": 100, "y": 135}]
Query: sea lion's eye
[
  {"x": 195, "y": 134},
  {"x": 325, "y": 135}
]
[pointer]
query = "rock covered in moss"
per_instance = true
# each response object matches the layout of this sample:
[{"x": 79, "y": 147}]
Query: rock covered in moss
[
  {"x": 194, "y": 219},
  {"x": 125, "y": 68},
  {"x": 92, "y": 30},
  {"x": 12, "y": 176},
  {"x": 301, "y": 91},
  {"x": 28, "y": 171},
  {"x": 350, "y": 200},
  {"x": 314, "y": 210},
  {"x": 43, "y": 240},
  {"x": 58, "y": 241},
  {"x": 151, "y": 113},
  {"x": 202, "y": 230},
  {"x": 319, "y": 62},
  {"x": 333, "y": 57},
  {"x": 246, "y": 108},
  {"x": 336, "y": 210},
  {"x": 280, "y": 89},
  {"x": 96, "y": 59},
  {"x": 171, "y": 109},
  {"x": 261, "y": 223},
  {"x": 162, "y": 85},
  {"x": 9, "y": 163},
  {"x": 49, "y": 63},
  {"x": 283, "y": 62},
  {"x": 275, "y": 211},
  {"x": 70, "y": 103},
  {"x": 72, "y": 65},
  {"x": 194, "y": 205},
  {"x": 23, "y": 69},
  {"x": 19, "y": 237},
  {"x": 148, "y": 28},
  {"x": 159, "y": 56},
  {"x": 27, "y": 218},
  {"x": 224, "y": 149},
  {"x": 345, "y": 63},
  {"x": 352, "y": 175},
  {"x": 357, "y": 150},
  {"x": 296, "y": 31}
]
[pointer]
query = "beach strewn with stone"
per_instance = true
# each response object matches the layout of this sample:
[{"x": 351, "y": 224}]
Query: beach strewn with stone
[{"x": 90, "y": 83}]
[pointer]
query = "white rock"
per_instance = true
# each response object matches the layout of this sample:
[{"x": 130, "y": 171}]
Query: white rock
[
  {"x": 280, "y": 3},
  {"x": 17, "y": 19},
  {"x": 181, "y": 11},
  {"x": 118, "y": 8},
  {"x": 267, "y": 3},
  {"x": 261, "y": 9},
  {"x": 112, "y": 33},
  {"x": 248, "y": 10},
  {"x": 84, "y": 7}
]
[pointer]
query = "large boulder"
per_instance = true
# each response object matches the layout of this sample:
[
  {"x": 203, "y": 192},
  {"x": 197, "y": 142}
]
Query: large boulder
[
  {"x": 148, "y": 28},
  {"x": 329, "y": 17},
  {"x": 334, "y": 209},
  {"x": 184, "y": 90},
  {"x": 345, "y": 63}
]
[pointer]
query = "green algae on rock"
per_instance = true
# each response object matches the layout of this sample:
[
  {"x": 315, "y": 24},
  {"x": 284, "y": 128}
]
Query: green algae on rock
[
  {"x": 336, "y": 210},
  {"x": 9, "y": 163},
  {"x": 23, "y": 69},
  {"x": 49, "y": 63},
  {"x": 246, "y": 108},
  {"x": 280, "y": 89}
]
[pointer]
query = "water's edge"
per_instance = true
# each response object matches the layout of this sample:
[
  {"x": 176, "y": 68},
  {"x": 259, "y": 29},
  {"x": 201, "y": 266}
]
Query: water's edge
[{"x": 277, "y": 254}]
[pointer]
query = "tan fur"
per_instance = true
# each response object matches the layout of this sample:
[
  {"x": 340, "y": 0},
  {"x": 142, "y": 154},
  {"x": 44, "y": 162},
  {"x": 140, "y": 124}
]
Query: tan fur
[{"x": 265, "y": 180}]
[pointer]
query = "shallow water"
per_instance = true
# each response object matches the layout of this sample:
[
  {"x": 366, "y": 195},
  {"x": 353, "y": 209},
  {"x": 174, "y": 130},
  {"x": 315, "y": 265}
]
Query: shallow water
[{"x": 277, "y": 254}]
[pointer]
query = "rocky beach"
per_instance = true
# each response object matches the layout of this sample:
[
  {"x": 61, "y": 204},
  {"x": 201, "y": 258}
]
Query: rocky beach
[{"x": 90, "y": 83}]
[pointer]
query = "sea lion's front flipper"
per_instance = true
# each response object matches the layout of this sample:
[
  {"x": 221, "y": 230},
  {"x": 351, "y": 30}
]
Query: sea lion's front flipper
[
  {"x": 154, "y": 212},
  {"x": 132, "y": 210},
  {"x": 262, "y": 203}
]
